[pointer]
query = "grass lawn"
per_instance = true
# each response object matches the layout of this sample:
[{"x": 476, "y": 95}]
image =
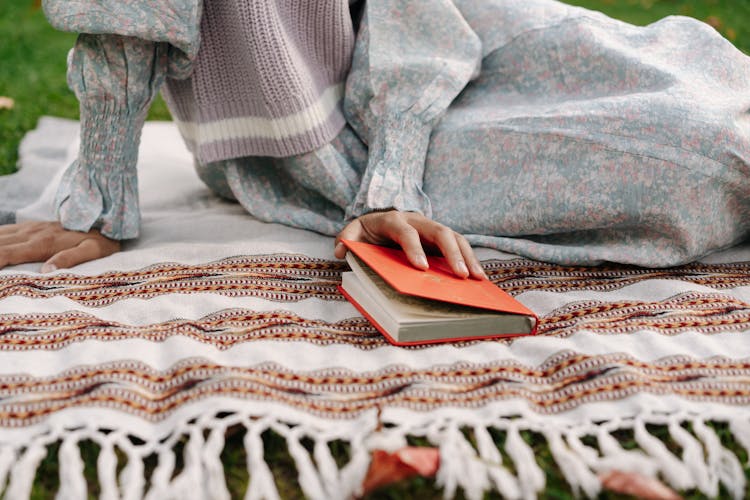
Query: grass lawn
[{"x": 32, "y": 72}]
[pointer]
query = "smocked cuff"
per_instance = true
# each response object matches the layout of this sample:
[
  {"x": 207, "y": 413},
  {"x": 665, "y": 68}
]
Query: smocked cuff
[
  {"x": 100, "y": 189},
  {"x": 395, "y": 170}
]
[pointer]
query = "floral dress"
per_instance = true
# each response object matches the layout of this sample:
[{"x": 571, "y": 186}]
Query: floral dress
[{"x": 529, "y": 126}]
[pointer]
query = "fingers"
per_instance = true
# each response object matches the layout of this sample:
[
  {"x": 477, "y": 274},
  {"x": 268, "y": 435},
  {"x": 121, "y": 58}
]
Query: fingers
[
  {"x": 475, "y": 267},
  {"x": 21, "y": 253},
  {"x": 11, "y": 234},
  {"x": 22, "y": 243},
  {"x": 408, "y": 238},
  {"x": 12, "y": 238},
  {"x": 6, "y": 229},
  {"x": 394, "y": 226},
  {"x": 27, "y": 242},
  {"x": 353, "y": 232},
  {"x": 445, "y": 240},
  {"x": 454, "y": 247},
  {"x": 339, "y": 251},
  {"x": 380, "y": 228},
  {"x": 409, "y": 230},
  {"x": 86, "y": 250},
  {"x": 21, "y": 227},
  {"x": 49, "y": 241}
]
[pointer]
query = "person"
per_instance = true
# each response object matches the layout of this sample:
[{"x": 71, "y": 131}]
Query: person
[{"x": 529, "y": 126}]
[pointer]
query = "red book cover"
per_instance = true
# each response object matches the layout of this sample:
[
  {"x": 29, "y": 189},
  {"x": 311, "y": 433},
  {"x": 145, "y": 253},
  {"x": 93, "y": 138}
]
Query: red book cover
[{"x": 436, "y": 283}]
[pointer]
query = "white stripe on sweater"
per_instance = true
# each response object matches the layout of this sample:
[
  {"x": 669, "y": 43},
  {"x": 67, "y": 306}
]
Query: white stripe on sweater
[{"x": 265, "y": 128}]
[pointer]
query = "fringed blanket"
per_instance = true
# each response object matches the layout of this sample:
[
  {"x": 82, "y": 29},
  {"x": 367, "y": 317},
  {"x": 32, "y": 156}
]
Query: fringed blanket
[{"x": 213, "y": 320}]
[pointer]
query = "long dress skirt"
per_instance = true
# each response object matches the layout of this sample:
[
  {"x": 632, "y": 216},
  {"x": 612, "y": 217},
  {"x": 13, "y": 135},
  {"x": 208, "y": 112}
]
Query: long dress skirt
[{"x": 583, "y": 140}]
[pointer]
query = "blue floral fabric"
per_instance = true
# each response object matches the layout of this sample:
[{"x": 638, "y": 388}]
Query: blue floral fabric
[
  {"x": 530, "y": 126},
  {"x": 115, "y": 78},
  {"x": 174, "y": 21}
]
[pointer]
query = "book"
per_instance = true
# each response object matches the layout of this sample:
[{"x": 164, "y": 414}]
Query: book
[{"x": 411, "y": 306}]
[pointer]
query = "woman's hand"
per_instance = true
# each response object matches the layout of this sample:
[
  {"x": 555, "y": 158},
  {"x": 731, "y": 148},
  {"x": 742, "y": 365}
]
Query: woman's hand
[
  {"x": 48, "y": 242},
  {"x": 409, "y": 230}
]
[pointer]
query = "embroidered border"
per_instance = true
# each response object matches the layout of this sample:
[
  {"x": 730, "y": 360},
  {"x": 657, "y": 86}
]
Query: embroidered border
[
  {"x": 521, "y": 275},
  {"x": 563, "y": 382},
  {"x": 694, "y": 311},
  {"x": 285, "y": 278},
  {"x": 279, "y": 278}
]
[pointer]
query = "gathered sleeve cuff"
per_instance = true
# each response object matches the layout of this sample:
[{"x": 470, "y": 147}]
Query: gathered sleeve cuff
[
  {"x": 116, "y": 79},
  {"x": 410, "y": 61},
  {"x": 100, "y": 188},
  {"x": 393, "y": 178}
]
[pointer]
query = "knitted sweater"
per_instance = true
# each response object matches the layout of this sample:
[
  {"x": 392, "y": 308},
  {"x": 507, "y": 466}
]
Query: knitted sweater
[
  {"x": 397, "y": 89},
  {"x": 268, "y": 78}
]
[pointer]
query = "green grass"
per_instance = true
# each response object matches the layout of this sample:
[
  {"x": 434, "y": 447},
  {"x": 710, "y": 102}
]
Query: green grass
[
  {"x": 32, "y": 72},
  {"x": 32, "y": 58},
  {"x": 730, "y": 17}
]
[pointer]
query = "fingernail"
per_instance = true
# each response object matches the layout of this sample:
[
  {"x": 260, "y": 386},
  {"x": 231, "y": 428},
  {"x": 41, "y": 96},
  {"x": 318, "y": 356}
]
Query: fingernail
[
  {"x": 48, "y": 267},
  {"x": 478, "y": 270},
  {"x": 339, "y": 246},
  {"x": 422, "y": 261},
  {"x": 462, "y": 267}
]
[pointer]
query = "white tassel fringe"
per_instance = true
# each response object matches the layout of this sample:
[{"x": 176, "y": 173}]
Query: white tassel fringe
[{"x": 702, "y": 461}]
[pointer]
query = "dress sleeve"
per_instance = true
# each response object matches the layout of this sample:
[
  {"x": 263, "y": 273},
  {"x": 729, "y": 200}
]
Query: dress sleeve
[
  {"x": 115, "y": 79},
  {"x": 173, "y": 21},
  {"x": 410, "y": 61},
  {"x": 116, "y": 69}
]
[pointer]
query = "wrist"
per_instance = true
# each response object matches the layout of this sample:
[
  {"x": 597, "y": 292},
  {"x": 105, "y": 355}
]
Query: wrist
[
  {"x": 110, "y": 136},
  {"x": 393, "y": 178}
]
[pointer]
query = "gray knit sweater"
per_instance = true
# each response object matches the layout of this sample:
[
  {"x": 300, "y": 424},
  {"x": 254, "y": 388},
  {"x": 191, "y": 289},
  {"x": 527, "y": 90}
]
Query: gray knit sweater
[{"x": 267, "y": 76}]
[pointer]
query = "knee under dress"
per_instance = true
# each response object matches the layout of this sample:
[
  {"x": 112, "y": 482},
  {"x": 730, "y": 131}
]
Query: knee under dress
[{"x": 529, "y": 126}]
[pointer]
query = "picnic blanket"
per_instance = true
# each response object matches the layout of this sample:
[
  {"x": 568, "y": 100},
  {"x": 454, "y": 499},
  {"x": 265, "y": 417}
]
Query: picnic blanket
[{"x": 213, "y": 320}]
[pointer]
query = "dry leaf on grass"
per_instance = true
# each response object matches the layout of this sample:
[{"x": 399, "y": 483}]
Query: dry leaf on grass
[
  {"x": 6, "y": 102},
  {"x": 637, "y": 485},
  {"x": 386, "y": 468},
  {"x": 714, "y": 22}
]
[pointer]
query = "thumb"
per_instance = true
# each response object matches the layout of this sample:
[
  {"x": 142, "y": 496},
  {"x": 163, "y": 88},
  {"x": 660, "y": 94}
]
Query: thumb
[
  {"x": 353, "y": 231},
  {"x": 85, "y": 251}
]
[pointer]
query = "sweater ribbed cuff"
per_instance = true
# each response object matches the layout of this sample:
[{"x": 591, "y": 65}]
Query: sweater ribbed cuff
[{"x": 395, "y": 170}]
